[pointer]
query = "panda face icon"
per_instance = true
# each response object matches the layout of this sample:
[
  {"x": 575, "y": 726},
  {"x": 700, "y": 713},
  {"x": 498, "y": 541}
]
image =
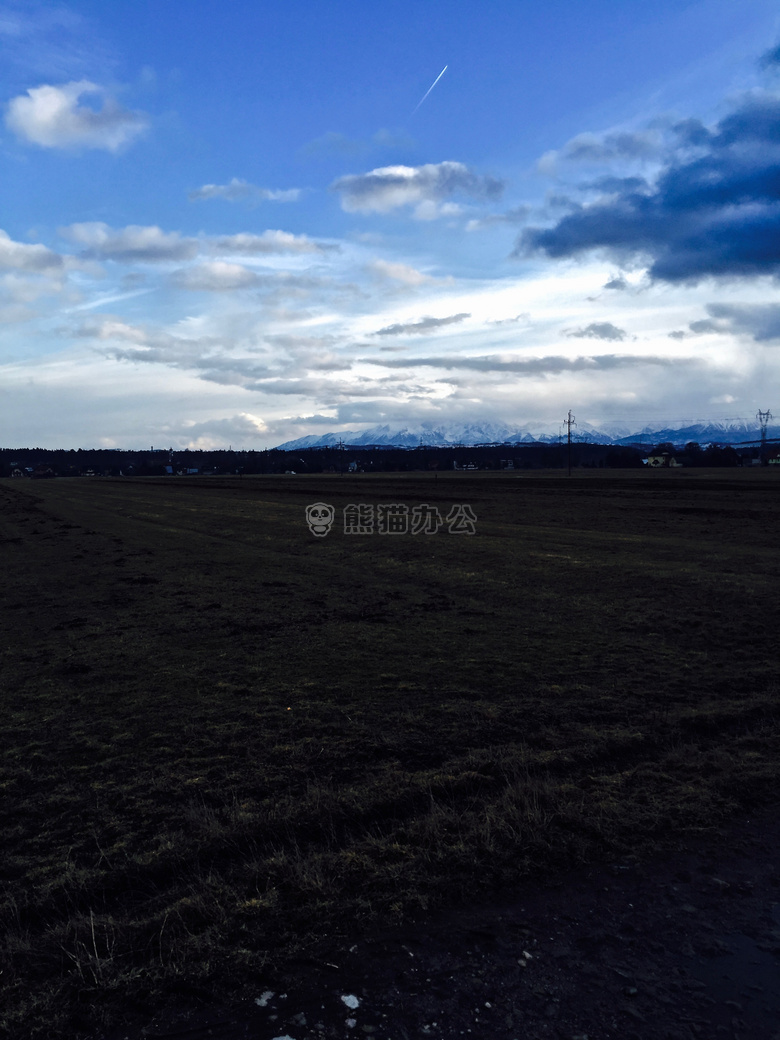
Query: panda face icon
[{"x": 319, "y": 517}]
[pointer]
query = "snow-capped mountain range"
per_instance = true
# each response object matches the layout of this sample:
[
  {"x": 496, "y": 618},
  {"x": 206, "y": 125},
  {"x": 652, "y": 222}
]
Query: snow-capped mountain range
[{"x": 456, "y": 434}]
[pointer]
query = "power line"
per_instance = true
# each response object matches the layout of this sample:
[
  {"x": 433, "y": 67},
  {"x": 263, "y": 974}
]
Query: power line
[{"x": 655, "y": 420}]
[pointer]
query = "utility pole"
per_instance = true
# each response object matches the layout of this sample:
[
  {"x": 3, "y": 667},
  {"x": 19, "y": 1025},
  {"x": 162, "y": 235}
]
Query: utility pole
[
  {"x": 763, "y": 421},
  {"x": 569, "y": 422},
  {"x": 341, "y": 457}
]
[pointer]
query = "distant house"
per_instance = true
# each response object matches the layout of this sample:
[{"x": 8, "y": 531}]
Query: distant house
[{"x": 662, "y": 461}]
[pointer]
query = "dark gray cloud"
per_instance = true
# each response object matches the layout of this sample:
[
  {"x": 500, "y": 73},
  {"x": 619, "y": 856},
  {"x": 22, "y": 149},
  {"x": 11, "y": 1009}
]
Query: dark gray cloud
[
  {"x": 609, "y": 186},
  {"x": 422, "y": 326},
  {"x": 715, "y": 212},
  {"x": 705, "y": 325},
  {"x": 692, "y": 132},
  {"x": 599, "y": 330},
  {"x": 761, "y": 321},
  {"x": 617, "y": 145},
  {"x": 771, "y": 58},
  {"x": 617, "y": 282},
  {"x": 533, "y": 366}
]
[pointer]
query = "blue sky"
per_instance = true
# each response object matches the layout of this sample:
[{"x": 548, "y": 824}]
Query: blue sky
[{"x": 230, "y": 224}]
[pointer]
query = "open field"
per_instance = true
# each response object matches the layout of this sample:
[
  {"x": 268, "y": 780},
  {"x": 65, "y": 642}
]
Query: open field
[{"x": 224, "y": 738}]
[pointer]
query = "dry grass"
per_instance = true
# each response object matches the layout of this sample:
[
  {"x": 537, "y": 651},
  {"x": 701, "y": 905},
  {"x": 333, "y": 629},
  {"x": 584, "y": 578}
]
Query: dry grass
[{"x": 225, "y": 739}]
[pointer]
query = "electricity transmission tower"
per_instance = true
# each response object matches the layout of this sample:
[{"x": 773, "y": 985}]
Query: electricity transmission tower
[
  {"x": 569, "y": 422},
  {"x": 341, "y": 456},
  {"x": 763, "y": 422}
]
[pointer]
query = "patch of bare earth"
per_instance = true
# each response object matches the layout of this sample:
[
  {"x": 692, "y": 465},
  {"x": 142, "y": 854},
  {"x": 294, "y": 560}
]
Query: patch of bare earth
[{"x": 683, "y": 947}]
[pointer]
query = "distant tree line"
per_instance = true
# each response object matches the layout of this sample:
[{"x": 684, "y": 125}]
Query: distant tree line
[
  {"x": 114, "y": 462},
  {"x": 368, "y": 459},
  {"x": 712, "y": 455}
]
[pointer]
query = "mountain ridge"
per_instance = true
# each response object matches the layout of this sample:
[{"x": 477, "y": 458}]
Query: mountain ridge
[{"x": 454, "y": 434}]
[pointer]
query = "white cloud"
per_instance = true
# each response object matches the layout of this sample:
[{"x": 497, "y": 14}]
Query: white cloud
[
  {"x": 15, "y": 314},
  {"x": 391, "y": 187},
  {"x": 113, "y": 329},
  {"x": 241, "y": 191},
  {"x": 399, "y": 272},
  {"x": 268, "y": 242},
  {"x": 145, "y": 244},
  {"x": 33, "y": 274},
  {"x": 238, "y": 430},
  {"x": 525, "y": 318},
  {"x": 723, "y": 399},
  {"x": 239, "y": 357},
  {"x": 23, "y": 257},
  {"x": 428, "y": 209},
  {"x": 216, "y": 276},
  {"x": 547, "y": 164},
  {"x": 26, "y": 288},
  {"x": 206, "y": 355},
  {"x": 512, "y": 357},
  {"x": 148, "y": 244},
  {"x": 516, "y": 215},
  {"x": 52, "y": 117}
]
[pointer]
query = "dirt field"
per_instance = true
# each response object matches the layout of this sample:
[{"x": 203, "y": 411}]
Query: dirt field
[
  {"x": 675, "y": 947},
  {"x": 229, "y": 744}
]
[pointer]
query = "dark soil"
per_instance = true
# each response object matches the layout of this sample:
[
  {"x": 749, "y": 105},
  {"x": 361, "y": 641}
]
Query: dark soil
[
  {"x": 229, "y": 751},
  {"x": 683, "y": 946}
]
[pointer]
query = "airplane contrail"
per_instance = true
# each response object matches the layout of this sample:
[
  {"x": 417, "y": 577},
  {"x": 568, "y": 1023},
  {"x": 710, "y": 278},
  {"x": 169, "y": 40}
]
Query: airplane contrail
[{"x": 427, "y": 92}]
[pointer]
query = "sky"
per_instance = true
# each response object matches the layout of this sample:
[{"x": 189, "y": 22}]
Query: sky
[{"x": 236, "y": 224}]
